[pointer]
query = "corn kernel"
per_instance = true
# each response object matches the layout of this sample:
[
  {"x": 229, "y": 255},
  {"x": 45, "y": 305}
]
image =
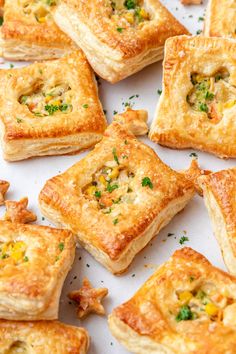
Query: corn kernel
[
  {"x": 20, "y": 245},
  {"x": 42, "y": 19},
  {"x": 211, "y": 309},
  {"x": 114, "y": 173},
  {"x": 144, "y": 14},
  {"x": 48, "y": 98},
  {"x": 91, "y": 190},
  {"x": 56, "y": 103},
  {"x": 129, "y": 17},
  {"x": 185, "y": 296},
  {"x": 17, "y": 255},
  {"x": 229, "y": 104},
  {"x": 102, "y": 180}
]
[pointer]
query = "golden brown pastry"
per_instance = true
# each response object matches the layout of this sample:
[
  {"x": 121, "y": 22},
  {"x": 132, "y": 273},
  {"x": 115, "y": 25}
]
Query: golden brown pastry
[
  {"x": 220, "y": 19},
  {"x": 220, "y": 197},
  {"x": 4, "y": 186},
  {"x": 1, "y": 7},
  {"x": 17, "y": 212},
  {"x": 42, "y": 337},
  {"x": 88, "y": 299},
  {"x": 198, "y": 104},
  {"x": 193, "y": 173},
  {"x": 191, "y": 2},
  {"x": 34, "y": 261},
  {"x": 30, "y": 33},
  {"x": 118, "y": 37},
  {"x": 133, "y": 120},
  {"x": 50, "y": 108},
  {"x": 118, "y": 198},
  {"x": 187, "y": 307}
]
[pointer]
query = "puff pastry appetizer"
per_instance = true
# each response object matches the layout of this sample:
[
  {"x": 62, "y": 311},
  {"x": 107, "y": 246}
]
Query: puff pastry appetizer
[
  {"x": 118, "y": 37},
  {"x": 34, "y": 262},
  {"x": 118, "y": 198},
  {"x": 187, "y": 307},
  {"x": 30, "y": 33},
  {"x": 42, "y": 337},
  {"x": 220, "y": 19},
  {"x": 198, "y": 104},
  {"x": 220, "y": 197},
  {"x": 17, "y": 212},
  {"x": 50, "y": 108}
]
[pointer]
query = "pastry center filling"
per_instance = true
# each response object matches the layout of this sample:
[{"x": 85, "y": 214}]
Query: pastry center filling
[
  {"x": 46, "y": 102},
  {"x": 202, "y": 304},
  {"x": 13, "y": 252},
  {"x": 128, "y": 13},
  {"x": 212, "y": 95},
  {"x": 39, "y": 9},
  {"x": 111, "y": 186}
]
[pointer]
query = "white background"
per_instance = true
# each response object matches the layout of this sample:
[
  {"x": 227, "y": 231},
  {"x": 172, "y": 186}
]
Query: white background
[{"x": 27, "y": 179}]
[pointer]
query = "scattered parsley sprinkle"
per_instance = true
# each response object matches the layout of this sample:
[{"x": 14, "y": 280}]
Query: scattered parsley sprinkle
[
  {"x": 184, "y": 314},
  {"x": 200, "y": 18},
  {"x": 119, "y": 29},
  {"x": 203, "y": 107},
  {"x": 114, "y": 113},
  {"x": 146, "y": 182},
  {"x": 194, "y": 154},
  {"x": 1, "y": 21},
  {"x": 159, "y": 92},
  {"x": 115, "y": 221},
  {"x": 170, "y": 234},
  {"x": 87, "y": 265},
  {"x": 26, "y": 259},
  {"x": 61, "y": 246},
  {"x": 85, "y": 105},
  {"x": 183, "y": 239},
  {"x": 98, "y": 194},
  {"x": 191, "y": 279},
  {"x": 111, "y": 188},
  {"x": 11, "y": 66},
  {"x": 43, "y": 218},
  {"x": 126, "y": 142},
  {"x": 51, "y": 109},
  {"x": 130, "y": 4},
  {"x": 133, "y": 275},
  {"x": 115, "y": 156},
  {"x": 199, "y": 31},
  {"x": 19, "y": 120}
]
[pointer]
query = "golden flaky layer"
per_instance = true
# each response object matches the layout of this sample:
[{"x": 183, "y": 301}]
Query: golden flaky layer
[
  {"x": 30, "y": 33},
  {"x": 34, "y": 262},
  {"x": 179, "y": 123},
  {"x": 117, "y": 198},
  {"x": 163, "y": 317},
  {"x": 60, "y": 127},
  {"x": 42, "y": 338},
  {"x": 220, "y": 197},
  {"x": 117, "y": 48},
  {"x": 220, "y": 19}
]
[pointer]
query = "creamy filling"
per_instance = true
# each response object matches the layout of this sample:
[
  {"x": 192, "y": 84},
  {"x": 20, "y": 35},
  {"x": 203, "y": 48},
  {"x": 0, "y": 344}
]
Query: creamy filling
[
  {"x": 13, "y": 252},
  {"x": 129, "y": 13},
  {"x": 39, "y": 9}
]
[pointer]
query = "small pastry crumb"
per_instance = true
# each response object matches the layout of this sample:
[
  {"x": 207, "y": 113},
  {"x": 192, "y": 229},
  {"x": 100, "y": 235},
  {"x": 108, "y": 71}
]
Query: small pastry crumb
[
  {"x": 4, "y": 186},
  {"x": 16, "y": 211},
  {"x": 88, "y": 299},
  {"x": 133, "y": 120}
]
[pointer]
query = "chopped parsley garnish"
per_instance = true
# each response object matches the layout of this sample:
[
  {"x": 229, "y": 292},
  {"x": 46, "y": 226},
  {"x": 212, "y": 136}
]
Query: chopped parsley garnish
[
  {"x": 209, "y": 96},
  {"x": 194, "y": 154},
  {"x": 191, "y": 279},
  {"x": 61, "y": 246},
  {"x": 111, "y": 188},
  {"x": 11, "y": 66},
  {"x": 170, "y": 234},
  {"x": 183, "y": 239},
  {"x": 107, "y": 211},
  {"x": 218, "y": 77},
  {"x": 51, "y": 2},
  {"x": 130, "y": 4},
  {"x": 1, "y": 21},
  {"x": 203, "y": 107},
  {"x": 51, "y": 109},
  {"x": 98, "y": 194},
  {"x": 119, "y": 29},
  {"x": 159, "y": 92},
  {"x": 200, "y": 19},
  {"x": 126, "y": 142},
  {"x": 64, "y": 107},
  {"x": 115, "y": 156},
  {"x": 114, "y": 113},
  {"x": 115, "y": 221},
  {"x": 85, "y": 105},
  {"x": 146, "y": 182},
  {"x": 26, "y": 259},
  {"x": 19, "y": 120},
  {"x": 199, "y": 32},
  {"x": 185, "y": 314}
]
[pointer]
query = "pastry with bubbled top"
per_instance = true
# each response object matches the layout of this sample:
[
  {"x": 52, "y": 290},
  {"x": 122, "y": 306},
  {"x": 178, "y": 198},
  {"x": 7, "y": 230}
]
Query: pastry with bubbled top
[
  {"x": 220, "y": 198},
  {"x": 220, "y": 19},
  {"x": 119, "y": 37},
  {"x": 198, "y": 103},
  {"x": 34, "y": 261},
  {"x": 117, "y": 198},
  {"x": 42, "y": 337},
  {"x": 30, "y": 33},
  {"x": 188, "y": 306},
  {"x": 50, "y": 108}
]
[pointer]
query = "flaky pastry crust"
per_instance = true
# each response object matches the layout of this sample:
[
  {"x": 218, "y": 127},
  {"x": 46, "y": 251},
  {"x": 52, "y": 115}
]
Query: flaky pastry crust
[
  {"x": 208, "y": 125},
  {"x": 62, "y": 128},
  {"x": 17, "y": 212},
  {"x": 114, "y": 48},
  {"x": 4, "y": 186},
  {"x": 117, "y": 198},
  {"x": 220, "y": 19},
  {"x": 42, "y": 338},
  {"x": 193, "y": 173},
  {"x": 163, "y": 316},
  {"x": 34, "y": 262},
  {"x": 220, "y": 199},
  {"x": 191, "y": 2}
]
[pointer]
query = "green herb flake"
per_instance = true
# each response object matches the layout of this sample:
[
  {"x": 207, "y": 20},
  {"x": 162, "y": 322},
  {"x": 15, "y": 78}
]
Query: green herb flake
[
  {"x": 199, "y": 32},
  {"x": 183, "y": 239},
  {"x": 12, "y": 66},
  {"x": 130, "y": 4},
  {"x": 194, "y": 154},
  {"x": 19, "y": 120},
  {"x": 61, "y": 246},
  {"x": 115, "y": 221},
  {"x": 98, "y": 194},
  {"x": 203, "y": 107},
  {"x": 146, "y": 182},
  {"x": 51, "y": 109},
  {"x": 115, "y": 156},
  {"x": 119, "y": 29},
  {"x": 191, "y": 279},
  {"x": 26, "y": 259},
  {"x": 85, "y": 105},
  {"x": 200, "y": 19},
  {"x": 159, "y": 92},
  {"x": 185, "y": 314},
  {"x": 1, "y": 21},
  {"x": 111, "y": 188}
]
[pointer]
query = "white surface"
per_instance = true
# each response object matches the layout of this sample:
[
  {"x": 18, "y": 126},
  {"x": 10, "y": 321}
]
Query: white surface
[{"x": 27, "y": 178}]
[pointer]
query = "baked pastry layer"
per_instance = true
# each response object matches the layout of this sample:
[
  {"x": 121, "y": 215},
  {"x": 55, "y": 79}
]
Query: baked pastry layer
[
  {"x": 117, "y": 198},
  {"x": 1, "y": 7},
  {"x": 42, "y": 338},
  {"x": 30, "y": 33},
  {"x": 199, "y": 82},
  {"x": 187, "y": 307},
  {"x": 34, "y": 262},
  {"x": 220, "y": 19},
  {"x": 50, "y": 108},
  {"x": 220, "y": 197},
  {"x": 119, "y": 38}
]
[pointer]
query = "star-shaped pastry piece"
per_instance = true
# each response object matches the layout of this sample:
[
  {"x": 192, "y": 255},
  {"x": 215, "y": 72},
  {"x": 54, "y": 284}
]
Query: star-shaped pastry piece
[
  {"x": 4, "y": 185},
  {"x": 133, "y": 120},
  {"x": 192, "y": 174},
  {"x": 18, "y": 212},
  {"x": 88, "y": 299}
]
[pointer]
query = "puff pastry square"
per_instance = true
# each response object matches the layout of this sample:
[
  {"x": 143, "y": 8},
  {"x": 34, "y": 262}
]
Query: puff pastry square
[
  {"x": 42, "y": 337},
  {"x": 117, "y": 198},
  {"x": 34, "y": 261},
  {"x": 30, "y": 33},
  {"x": 197, "y": 106},
  {"x": 49, "y": 108},
  {"x": 220, "y": 19},
  {"x": 118, "y": 37},
  {"x": 220, "y": 197},
  {"x": 187, "y": 307}
]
